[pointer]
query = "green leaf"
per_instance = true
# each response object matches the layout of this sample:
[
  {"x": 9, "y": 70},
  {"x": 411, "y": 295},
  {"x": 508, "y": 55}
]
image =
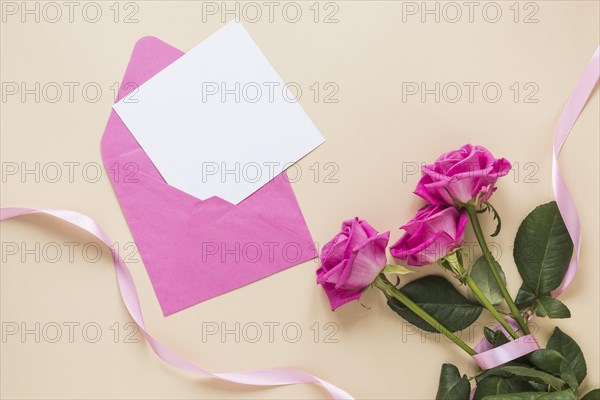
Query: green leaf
[
  {"x": 499, "y": 338},
  {"x": 547, "y": 359},
  {"x": 495, "y": 372},
  {"x": 568, "y": 375},
  {"x": 515, "y": 396},
  {"x": 489, "y": 334},
  {"x": 593, "y": 395},
  {"x": 554, "y": 362},
  {"x": 396, "y": 269},
  {"x": 439, "y": 298},
  {"x": 548, "y": 306},
  {"x": 538, "y": 387},
  {"x": 562, "y": 395},
  {"x": 495, "y": 385},
  {"x": 481, "y": 273},
  {"x": 452, "y": 386},
  {"x": 525, "y": 298},
  {"x": 536, "y": 375},
  {"x": 566, "y": 346},
  {"x": 543, "y": 249}
]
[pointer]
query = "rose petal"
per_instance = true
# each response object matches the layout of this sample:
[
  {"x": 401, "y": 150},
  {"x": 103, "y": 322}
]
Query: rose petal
[
  {"x": 333, "y": 251},
  {"x": 463, "y": 220},
  {"x": 461, "y": 176},
  {"x": 333, "y": 274},
  {"x": 339, "y": 297},
  {"x": 367, "y": 262},
  {"x": 438, "y": 248}
]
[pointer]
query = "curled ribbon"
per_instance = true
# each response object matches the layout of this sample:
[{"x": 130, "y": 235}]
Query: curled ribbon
[
  {"x": 490, "y": 358},
  {"x": 564, "y": 200},
  {"x": 266, "y": 377}
]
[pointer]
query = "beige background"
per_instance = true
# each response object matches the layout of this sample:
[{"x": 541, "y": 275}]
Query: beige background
[{"x": 372, "y": 135}]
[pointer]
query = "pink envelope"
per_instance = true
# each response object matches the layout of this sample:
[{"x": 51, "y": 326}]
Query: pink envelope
[{"x": 197, "y": 249}]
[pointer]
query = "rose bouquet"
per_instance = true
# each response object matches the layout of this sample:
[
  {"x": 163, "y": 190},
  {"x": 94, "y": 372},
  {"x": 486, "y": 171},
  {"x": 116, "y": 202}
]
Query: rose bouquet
[{"x": 457, "y": 189}]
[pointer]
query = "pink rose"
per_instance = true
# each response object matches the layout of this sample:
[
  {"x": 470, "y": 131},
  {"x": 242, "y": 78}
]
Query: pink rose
[
  {"x": 432, "y": 234},
  {"x": 351, "y": 261},
  {"x": 462, "y": 176}
]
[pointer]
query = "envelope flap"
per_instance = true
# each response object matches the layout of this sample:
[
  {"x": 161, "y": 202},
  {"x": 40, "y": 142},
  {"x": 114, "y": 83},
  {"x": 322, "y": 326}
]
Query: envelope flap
[
  {"x": 277, "y": 203},
  {"x": 149, "y": 55}
]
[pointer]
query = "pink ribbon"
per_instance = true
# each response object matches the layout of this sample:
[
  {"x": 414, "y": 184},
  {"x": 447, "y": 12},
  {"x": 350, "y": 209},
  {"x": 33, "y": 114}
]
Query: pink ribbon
[
  {"x": 507, "y": 352},
  {"x": 266, "y": 377},
  {"x": 564, "y": 200},
  {"x": 568, "y": 210}
]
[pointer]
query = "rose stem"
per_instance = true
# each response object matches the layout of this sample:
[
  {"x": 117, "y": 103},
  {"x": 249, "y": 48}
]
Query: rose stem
[
  {"x": 456, "y": 264},
  {"x": 486, "y": 303},
  {"x": 388, "y": 289},
  {"x": 472, "y": 213}
]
